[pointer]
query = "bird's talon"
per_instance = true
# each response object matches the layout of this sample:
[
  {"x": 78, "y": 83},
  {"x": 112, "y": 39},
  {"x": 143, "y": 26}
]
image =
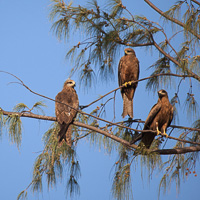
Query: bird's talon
[
  {"x": 165, "y": 134},
  {"x": 125, "y": 84},
  {"x": 158, "y": 132}
]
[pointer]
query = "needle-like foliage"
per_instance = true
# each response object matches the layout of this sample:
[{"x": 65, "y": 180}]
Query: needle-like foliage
[
  {"x": 104, "y": 31},
  {"x": 14, "y": 128},
  {"x": 52, "y": 162}
]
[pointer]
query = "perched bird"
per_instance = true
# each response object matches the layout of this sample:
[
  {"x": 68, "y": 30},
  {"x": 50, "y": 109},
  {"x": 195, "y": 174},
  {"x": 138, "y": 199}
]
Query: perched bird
[
  {"x": 65, "y": 114},
  {"x": 159, "y": 118},
  {"x": 128, "y": 70}
]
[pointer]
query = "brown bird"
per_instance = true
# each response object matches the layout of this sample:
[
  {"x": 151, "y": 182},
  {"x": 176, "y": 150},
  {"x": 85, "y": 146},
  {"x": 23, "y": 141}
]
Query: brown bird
[
  {"x": 128, "y": 70},
  {"x": 65, "y": 114},
  {"x": 159, "y": 118}
]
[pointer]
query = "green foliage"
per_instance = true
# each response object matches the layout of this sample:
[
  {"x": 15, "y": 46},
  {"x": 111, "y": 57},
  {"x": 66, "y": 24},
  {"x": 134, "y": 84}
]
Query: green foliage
[
  {"x": 174, "y": 11},
  {"x": 21, "y": 107},
  {"x": 105, "y": 32},
  {"x": 14, "y": 128},
  {"x": 174, "y": 101},
  {"x": 22, "y": 195},
  {"x": 175, "y": 167},
  {"x": 179, "y": 166},
  {"x": 121, "y": 187},
  {"x": 189, "y": 19},
  {"x": 122, "y": 183},
  {"x": 195, "y": 63},
  {"x": 161, "y": 66},
  {"x": 95, "y": 139},
  {"x": 106, "y": 29},
  {"x": 196, "y": 134},
  {"x": 52, "y": 162},
  {"x": 13, "y": 122},
  {"x": 2, "y": 121},
  {"x": 191, "y": 106},
  {"x": 150, "y": 162}
]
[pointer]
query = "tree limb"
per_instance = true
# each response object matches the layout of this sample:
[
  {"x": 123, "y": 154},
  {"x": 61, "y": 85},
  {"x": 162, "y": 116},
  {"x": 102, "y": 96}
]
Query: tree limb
[
  {"x": 98, "y": 118},
  {"x": 109, "y": 135},
  {"x": 171, "y": 18},
  {"x": 177, "y": 150},
  {"x": 142, "y": 79},
  {"x": 196, "y": 2},
  {"x": 189, "y": 72}
]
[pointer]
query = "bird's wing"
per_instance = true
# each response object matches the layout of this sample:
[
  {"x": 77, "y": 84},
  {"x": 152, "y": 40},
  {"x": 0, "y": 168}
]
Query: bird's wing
[
  {"x": 120, "y": 72},
  {"x": 152, "y": 114},
  {"x": 171, "y": 116},
  {"x": 59, "y": 107}
]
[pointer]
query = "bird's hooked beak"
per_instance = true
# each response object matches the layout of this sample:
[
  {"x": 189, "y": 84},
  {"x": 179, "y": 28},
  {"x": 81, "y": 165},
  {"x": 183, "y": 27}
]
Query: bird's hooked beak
[
  {"x": 162, "y": 93},
  {"x": 73, "y": 84}
]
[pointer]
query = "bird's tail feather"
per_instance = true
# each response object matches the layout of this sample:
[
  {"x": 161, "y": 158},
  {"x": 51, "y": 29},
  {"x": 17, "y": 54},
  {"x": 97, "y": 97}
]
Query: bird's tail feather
[
  {"x": 127, "y": 106},
  {"x": 147, "y": 139},
  {"x": 65, "y": 133}
]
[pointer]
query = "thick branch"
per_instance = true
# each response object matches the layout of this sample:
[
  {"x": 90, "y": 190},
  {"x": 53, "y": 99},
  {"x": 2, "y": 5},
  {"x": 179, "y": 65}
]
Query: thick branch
[
  {"x": 107, "y": 134},
  {"x": 177, "y": 150}
]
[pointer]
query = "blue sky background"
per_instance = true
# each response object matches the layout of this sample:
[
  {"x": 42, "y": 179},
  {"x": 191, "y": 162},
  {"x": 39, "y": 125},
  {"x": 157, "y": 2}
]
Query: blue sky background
[{"x": 31, "y": 51}]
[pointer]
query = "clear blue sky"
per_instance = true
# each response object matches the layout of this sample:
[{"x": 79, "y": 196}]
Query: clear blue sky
[{"x": 31, "y": 51}]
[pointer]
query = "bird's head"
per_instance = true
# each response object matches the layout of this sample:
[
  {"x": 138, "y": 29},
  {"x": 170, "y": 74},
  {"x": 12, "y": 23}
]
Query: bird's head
[
  {"x": 129, "y": 51},
  {"x": 162, "y": 93},
  {"x": 69, "y": 83}
]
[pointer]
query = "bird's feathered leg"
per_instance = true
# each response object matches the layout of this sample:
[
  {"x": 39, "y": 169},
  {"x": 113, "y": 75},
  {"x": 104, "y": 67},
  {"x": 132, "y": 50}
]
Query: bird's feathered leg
[
  {"x": 164, "y": 131},
  {"x": 157, "y": 130}
]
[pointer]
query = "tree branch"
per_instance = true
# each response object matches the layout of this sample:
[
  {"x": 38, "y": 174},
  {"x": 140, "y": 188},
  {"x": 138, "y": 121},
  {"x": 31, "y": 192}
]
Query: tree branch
[
  {"x": 115, "y": 124},
  {"x": 142, "y": 79},
  {"x": 80, "y": 111},
  {"x": 196, "y": 2},
  {"x": 109, "y": 135},
  {"x": 171, "y": 18},
  {"x": 189, "y": 72},
  {"x": 177, "y": 150}
]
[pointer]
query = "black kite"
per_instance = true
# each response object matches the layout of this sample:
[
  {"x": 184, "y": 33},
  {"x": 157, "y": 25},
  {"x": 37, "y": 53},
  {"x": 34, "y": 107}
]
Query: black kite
[
  {"x": 159, "y": 118},
  {"x": 64, "y": 114},
  {"x": 128, "y": 70}
]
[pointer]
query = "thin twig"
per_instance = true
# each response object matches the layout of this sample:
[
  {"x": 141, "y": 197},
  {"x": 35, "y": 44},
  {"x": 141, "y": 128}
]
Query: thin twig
[{"x": 153, "y": 76}]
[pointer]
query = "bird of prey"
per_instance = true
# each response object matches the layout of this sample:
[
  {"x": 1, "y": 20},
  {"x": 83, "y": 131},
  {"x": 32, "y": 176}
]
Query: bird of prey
[
  {"x": 159, "y": 118},
  {"x": 128, "y": 70},
  {"x": 65, "y": 114}
]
